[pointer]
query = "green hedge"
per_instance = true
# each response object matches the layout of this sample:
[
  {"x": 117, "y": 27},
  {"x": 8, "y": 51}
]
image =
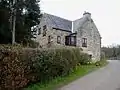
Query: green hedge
[{"x": 20, "y": 67}]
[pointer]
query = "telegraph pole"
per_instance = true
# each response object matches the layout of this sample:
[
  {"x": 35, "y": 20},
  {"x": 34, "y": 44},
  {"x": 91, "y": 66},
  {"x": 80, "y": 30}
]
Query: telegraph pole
[{"x": 14, "y": 22}]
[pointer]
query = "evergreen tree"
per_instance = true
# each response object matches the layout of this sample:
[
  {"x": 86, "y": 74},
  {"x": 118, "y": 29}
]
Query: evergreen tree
[{"x": 27, "y": 16}]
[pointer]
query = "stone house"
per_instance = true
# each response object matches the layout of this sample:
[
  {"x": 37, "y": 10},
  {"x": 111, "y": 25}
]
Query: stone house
[{"x": 54, "y": 32}]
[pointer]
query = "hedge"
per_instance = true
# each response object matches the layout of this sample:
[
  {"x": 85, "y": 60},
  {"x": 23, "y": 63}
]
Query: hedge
[{"x": 20, "y": 67}]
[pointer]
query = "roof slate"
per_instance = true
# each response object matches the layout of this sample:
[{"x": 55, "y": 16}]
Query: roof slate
[{"x": 58, "y": 22}]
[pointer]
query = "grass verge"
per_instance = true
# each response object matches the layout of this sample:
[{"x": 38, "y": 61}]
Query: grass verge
[{"x": 60, "y": 81}]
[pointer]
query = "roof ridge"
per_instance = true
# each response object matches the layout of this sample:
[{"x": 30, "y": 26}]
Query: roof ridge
[{"x": 58, "y": 16}]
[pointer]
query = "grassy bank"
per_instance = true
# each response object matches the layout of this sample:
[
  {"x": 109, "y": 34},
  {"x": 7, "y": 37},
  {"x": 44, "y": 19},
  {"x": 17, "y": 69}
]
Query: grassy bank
[{"x": 60, "y": 81}]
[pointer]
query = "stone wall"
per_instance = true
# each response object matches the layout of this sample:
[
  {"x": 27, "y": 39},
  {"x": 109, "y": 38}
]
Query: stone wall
[
  {"x": 53, "y": 34},
  {"x": 89, "y": 31}
]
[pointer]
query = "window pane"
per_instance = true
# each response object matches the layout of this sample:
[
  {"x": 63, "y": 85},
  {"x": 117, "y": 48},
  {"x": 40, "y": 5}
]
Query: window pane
[
  {"x": 44, "y": 32},
  {"x": 84, "y": 42},
  {"x": 49, "y": 39},
  {"x": 44, "y": 27},
  {"x": 58, "y": 39},
  {"x": 39, "y": 31},
  {"x": 72, "y": 39},
  {"x": 67, "y": 40}
]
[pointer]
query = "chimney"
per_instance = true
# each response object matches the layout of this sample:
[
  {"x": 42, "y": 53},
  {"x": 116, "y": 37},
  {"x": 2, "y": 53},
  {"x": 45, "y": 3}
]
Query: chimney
[{"x": 87, "y": 15}]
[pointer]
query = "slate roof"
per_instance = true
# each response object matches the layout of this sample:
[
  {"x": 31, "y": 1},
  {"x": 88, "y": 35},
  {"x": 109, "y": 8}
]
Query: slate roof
[{"x": 58, "y": 22}]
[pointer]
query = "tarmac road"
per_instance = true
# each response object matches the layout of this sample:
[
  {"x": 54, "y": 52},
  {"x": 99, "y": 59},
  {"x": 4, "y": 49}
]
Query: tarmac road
[{"x": 107, "y": 78}]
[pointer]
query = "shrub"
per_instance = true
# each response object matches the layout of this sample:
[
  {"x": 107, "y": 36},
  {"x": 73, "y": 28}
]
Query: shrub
[
  {"x": 33, "y": 44},
  {"x": 20, "y": 67},
  {"x": 84, "y": 58},
  {"x": 101, "y": 62}
]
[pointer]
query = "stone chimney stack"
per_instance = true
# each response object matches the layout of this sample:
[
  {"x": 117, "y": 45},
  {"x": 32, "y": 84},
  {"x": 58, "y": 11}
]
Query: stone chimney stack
[{"x": 87, "y": 15}]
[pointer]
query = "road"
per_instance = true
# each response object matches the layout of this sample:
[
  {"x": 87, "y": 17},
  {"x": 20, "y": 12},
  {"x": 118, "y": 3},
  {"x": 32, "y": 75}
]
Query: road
[{"x": 107, "y": 78}]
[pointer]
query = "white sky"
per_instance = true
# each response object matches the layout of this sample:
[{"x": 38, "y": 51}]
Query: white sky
[{"x": 105, "y": 13}]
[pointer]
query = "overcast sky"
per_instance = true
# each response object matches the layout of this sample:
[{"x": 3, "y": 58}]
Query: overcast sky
[{"x": 105, "y": 13}]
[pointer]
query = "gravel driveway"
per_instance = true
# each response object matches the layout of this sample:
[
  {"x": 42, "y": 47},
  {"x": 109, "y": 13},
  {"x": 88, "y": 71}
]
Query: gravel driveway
[{"x": 107, "y": 78}]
